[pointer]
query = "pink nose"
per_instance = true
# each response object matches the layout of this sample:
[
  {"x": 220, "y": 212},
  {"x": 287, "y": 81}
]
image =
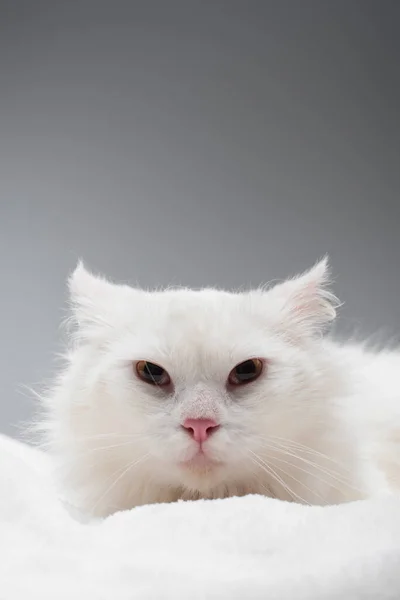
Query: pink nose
[{"x": 200, "y": 429}]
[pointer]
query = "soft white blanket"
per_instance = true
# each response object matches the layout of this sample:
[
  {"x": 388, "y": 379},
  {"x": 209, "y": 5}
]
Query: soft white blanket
[{"x": 248, "y": 548}]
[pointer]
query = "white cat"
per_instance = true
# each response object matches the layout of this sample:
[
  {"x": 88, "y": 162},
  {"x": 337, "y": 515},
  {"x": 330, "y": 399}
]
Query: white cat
[{"x": 183, "y": 394}]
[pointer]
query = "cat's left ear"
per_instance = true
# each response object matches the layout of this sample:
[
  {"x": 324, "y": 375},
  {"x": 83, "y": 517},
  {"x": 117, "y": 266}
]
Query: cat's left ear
[{"x": 306, "y": 304}]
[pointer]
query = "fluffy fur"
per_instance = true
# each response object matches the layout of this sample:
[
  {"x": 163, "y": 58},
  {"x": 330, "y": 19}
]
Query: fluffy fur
[{"x": 321, "y": 425}]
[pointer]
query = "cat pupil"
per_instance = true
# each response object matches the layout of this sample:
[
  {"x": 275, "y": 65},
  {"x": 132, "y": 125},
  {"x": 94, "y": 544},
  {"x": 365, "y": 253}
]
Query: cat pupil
[
  {"x": 246, "y": 369},
  {"x": 153, "y": 371}
]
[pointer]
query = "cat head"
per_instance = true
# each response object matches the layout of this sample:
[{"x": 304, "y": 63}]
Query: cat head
[{"x": 188, "y": 389}]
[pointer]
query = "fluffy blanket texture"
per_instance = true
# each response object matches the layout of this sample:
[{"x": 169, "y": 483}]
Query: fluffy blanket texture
[{"x": 252, "y": 548}]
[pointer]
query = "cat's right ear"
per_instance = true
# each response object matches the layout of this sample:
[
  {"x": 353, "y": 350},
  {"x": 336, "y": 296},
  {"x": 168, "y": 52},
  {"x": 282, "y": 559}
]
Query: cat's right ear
[
  {"x": 84, "y": 286},
  {"x": 91, "y": 299}
]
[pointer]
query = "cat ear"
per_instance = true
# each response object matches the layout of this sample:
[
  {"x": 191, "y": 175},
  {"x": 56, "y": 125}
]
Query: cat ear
[
  {"x": 306, "y": 304},
  {"x": 92, "y": 300},
  {"x": 83, "y": 284}
]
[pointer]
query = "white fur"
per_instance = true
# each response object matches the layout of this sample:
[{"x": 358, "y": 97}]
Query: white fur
[{"x": 321, "y": 425}]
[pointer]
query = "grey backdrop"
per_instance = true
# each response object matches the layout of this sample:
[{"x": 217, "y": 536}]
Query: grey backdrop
[{"x": 193, "y": 142}]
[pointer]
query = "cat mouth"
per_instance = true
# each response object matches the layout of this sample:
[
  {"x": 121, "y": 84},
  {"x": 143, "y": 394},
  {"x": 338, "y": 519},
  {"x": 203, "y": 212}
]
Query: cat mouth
[{"x": 200, "y": 461}]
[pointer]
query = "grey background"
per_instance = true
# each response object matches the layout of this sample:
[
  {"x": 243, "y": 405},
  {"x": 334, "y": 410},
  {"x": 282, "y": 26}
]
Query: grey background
[{"x": 221, "y": 143}]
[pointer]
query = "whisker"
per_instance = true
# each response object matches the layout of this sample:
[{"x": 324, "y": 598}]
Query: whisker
[
  {"x": 292, "y": 445},
  {"x": 268, "y": 469},
  {"x": 267, "y": 489},
  {"x": 335, "y": 476},
  {"x": 113, "y": 436},
  {"x": 124, "y": 472},
  {"x": 331, "y": 474},
  {"x": 314, "y": 492},
  {"x": 110, "y": 446},
  {"x": 309, "y": 450}
]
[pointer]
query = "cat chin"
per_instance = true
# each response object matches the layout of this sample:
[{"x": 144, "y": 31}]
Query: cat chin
[
  {"x": 200, "y": 464},
  {"x": 206, "y": 490},
  {"x": 202, "y": 479},
  {"x": 211, "y": 482}
]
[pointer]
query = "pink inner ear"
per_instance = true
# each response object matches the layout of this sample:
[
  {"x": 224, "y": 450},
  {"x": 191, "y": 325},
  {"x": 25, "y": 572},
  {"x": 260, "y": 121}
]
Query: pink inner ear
[
  {"x": 306, "y": 304},
  {"x": 305, "y": 298}
]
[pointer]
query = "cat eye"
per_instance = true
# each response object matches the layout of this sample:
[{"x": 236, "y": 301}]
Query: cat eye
[
  {"x": 151, "y": 373},
  {"x": 245, "y": 372}
]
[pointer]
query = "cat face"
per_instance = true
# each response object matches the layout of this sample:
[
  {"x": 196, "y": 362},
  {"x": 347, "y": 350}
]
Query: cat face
[{"x": 190, "y": 389}]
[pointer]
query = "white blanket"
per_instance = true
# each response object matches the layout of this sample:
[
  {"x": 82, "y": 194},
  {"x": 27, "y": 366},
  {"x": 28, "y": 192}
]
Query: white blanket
[{"x": 241, "y": 548}]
